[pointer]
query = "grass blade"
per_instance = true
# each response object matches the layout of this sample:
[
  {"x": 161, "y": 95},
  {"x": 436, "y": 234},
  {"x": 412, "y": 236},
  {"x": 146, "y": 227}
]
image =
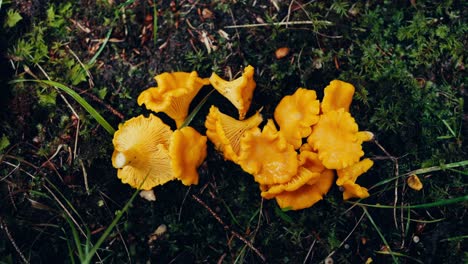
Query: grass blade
[
  {"x": 424, "y": 170},
  {"x": 76, "y": 238},
  {"x": 104, "y": 43},
  {"x": 109, "y": 229},
  {"x": 195, "y": 110},
  {"x": 380, "y": 234},
  {"x": 98, "y": 117},
  {"x": 417, "y": 206}
]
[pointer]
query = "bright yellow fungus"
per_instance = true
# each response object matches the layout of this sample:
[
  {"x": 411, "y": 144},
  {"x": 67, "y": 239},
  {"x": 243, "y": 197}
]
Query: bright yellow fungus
[
  {"x": 337, "y": 139},
  {"x": 295, "y": 114},
  {"x": 173, "y": 95},
  {"x": 414, "y": 182},
  {"x": 351, "y": 173},
  {"x": 307, "y": 195},
  {"x": 267, "y": 155},
  {"x": 188, "y": 151},
  {"x": 225, "y": 132},
  {"x": 353, "y": 190},
  {"x": 141, "y": 152},
  {"x": 337, "y": 95},
  {"x": 239, "y": 91}
]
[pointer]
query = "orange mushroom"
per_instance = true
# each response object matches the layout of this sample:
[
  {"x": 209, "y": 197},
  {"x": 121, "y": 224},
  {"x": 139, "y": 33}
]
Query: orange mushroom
[
  {"x": 351, "y": 173},
  {"x": 295, "y": 114},
  {"x": 141, "y": 152},
  {"x": 337, "y": 139},
  {"x": 347, "y": 179},
  {"x": 303, "y": 177},
  {"x": 173, "y": 95},
  {"x": 414, "y": 182},
  {"x": 267, "y": 155},
  {"x": 187, "y": 151},
  {"x": 337, "y": 94},
  {"x": 353, "y": 190},
  {"x": 239, "y": 91},
  {"x": 307, "y": 195},
  {"x": 225, "y": 132}
]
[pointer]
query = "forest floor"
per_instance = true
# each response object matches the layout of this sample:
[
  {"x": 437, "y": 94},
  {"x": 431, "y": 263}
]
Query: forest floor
[{"x": 61, "y": 200}]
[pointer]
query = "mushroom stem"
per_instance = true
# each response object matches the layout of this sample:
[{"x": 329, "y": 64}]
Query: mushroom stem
[{"x": 120, "y": 160}]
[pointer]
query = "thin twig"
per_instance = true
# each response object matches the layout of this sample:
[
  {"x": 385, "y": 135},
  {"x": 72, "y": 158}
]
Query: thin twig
[
  {"x": 310, "y": 250},
  {"x": 90, "y": 77},
  {"x": 226, "y": 227},
  {"x": 85, "y": 176},
  {"x": 4, "y": 227},
  {"x": 395, "y": 162},
  {"x": 58, "y": 91},
  {"x": 278, "y": 24},
  {"x": 76, "y": 138},
  {"x": 97, "y": 99}
]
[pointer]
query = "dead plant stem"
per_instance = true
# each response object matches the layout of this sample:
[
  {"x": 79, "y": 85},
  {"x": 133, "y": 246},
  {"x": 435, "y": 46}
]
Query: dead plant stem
[{"x": 226, "y": 227}]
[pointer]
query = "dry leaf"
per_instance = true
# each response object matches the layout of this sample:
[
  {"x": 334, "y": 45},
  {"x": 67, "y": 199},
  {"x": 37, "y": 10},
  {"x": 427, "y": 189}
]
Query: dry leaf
[{"x": 281, "y": 52}]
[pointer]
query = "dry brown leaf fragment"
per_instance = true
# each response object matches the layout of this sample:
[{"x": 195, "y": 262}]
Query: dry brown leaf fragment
[{"x": 281, "y": 52}]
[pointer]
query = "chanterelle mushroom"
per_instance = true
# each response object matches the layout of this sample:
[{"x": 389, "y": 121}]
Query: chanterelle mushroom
[
  {"x": 225, "y": 132},
  {"x": 173, "y": 95},
  {"x": 295, "y": 114},
  {"x": 239, "y": 91},
  {"x": 337, "y": 139},
  {"x": 337, "y": 94},
  {"x": 141, "y": 152},
  {"x": 267, "y": 155},
  {"x": 188, "y": 151}
]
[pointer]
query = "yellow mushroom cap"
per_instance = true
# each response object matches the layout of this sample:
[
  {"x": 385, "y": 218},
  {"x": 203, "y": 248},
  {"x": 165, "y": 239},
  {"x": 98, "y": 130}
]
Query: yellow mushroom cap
[
  {"x": 140, "y": 152},
  {"x": 225, "y": 132},
  {"x": 173, "y": 95},
  {"x": 310, "y": 171},
  {"x": 302, "y": 177},
  {"x": 267, "y": 155},
  {"x": 239, "y": 91},
  {"x": 353, "y": 190},
  {"x": 337, "y": 94},
  {"x": 307, "y": 195},
  {"x": 414, "y": 182},
  {"x": 295, "y": 114},
  {"x": 337, "y": 140},
  {"x": 188, "y": 151},
  {"x": 351, "y": 173}
]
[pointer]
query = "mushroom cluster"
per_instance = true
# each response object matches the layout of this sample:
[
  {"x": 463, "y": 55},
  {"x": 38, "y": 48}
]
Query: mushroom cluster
[
  {"x": 147, "y": 153},
  {"x": 294, "y": 156}
]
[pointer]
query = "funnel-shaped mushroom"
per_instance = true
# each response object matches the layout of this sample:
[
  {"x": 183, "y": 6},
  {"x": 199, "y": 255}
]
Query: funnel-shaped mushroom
[
  {"x": 295, "y": 114},
  {"x": 309, "y": 172},
  {"x": 337, "y": 139},
  {"x": 351, "y": 173},
  {"x": 347, "y": 179},
  {"x": 239, "y": 91},
  {"x": 307, "y": 195},
  {"x": 225, "y": 132},
  {"x": 173, "y": 95},
  {"x": 267, "y": 155},
  {"x": 141, "y": 152},
  {"x": 337, "y": 94},
  {"x": 188, "y": 151},
  {"x": 303, "y": 177}
]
